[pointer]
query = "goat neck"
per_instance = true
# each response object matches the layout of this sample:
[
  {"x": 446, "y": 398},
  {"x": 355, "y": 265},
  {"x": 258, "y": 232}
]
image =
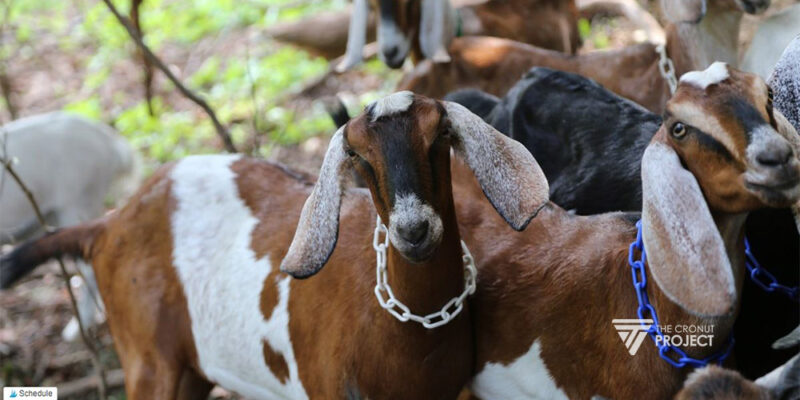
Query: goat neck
[
  {"x": 439, "y": 278},
  {"x": 694, "y": 46}
]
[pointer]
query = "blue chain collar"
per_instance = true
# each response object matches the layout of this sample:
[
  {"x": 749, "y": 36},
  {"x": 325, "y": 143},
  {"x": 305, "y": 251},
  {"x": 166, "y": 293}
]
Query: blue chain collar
[
  {"x": 671, "y": 354},
  {"x": 764, "y": 279}
]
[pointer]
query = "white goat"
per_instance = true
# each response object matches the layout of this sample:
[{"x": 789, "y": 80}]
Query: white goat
[{"x": 70, "y": 164}]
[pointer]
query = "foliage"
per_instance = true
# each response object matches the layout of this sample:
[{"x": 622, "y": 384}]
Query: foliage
[{"x": 217, "y": 47}]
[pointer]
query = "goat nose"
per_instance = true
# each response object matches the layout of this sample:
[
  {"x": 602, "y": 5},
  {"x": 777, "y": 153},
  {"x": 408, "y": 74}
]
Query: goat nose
[
  {"x": 390, "y": 53},
  {"x": 414, "y": 233},
  {"x": 775, "y": 157}
]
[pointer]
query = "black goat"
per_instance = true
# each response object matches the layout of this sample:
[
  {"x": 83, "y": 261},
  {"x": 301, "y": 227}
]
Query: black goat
[{"x": 589, "y": 143}]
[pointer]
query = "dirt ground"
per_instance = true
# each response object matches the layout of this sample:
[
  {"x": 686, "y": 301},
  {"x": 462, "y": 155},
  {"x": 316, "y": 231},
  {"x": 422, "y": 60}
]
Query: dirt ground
[{"x": 33, "y": 314}]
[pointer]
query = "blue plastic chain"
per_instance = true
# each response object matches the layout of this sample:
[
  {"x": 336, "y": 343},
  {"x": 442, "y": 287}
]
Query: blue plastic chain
[
  {"x": 764, "y": 279},
  {"x": 671, "y": 354}
]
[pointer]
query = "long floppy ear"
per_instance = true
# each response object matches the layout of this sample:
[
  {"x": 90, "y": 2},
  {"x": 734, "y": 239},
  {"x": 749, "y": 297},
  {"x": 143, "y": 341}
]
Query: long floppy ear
[
  {"x": 783, "y": 81},
  {"x": 508, "y": 174},
  {"x": 684, "y": 248},
  {"x": 318, "y": 227},
  {"x": 788, "y": 131},
  {"x": 784, "y": 381},
  {"x": 436, "y": 29},
  {"x": 677, "y": 11},
  {"x": 356, "y": 36}
]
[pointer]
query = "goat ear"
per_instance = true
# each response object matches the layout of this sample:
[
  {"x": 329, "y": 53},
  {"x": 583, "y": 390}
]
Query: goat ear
[
  {"x": 318, "y": 227},
  {"x": 684, "y": 248},
  {"x": 783, "y": 382},
  {"x": 508, "y": 174},
  {"x": 788, "y": 131},
  {"x": 436, "y": 29},
  {"x": 677, "y": 11},
  {"x": 356, "y": 36}
]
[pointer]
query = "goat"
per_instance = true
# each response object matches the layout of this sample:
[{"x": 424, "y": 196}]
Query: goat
[
  {"x": 547, "y": 296},
  {"x": 70, "y": 164},
  {"x": 589, "y": 143},
  {"x": 698, "y": 34},
  {"x": 187, "y": 266},
  {"x": 425, "y": 28}
]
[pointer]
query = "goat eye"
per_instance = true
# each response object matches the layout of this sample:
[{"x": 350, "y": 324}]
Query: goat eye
[
  {"x": 769, "y": 96},
  {"x": 351, "y": 153},
  {"x": 678, "y": 130}
]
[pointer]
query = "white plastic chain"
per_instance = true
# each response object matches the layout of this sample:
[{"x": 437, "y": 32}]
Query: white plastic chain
[
  {"x": 667, "y": 68},
  {"x": 399, "y": 310}
]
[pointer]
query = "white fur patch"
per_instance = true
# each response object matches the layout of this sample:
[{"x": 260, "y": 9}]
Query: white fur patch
[
  {"x": 715, "y": 73},
  {"x": 394, "y": 103},
  {"x": 525, "y": 378},
  {"x": 222, "y": 281}
]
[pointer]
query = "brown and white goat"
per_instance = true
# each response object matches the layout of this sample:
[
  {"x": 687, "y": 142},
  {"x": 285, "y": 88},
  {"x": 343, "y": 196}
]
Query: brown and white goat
[
  {"x": 547, "y": 296},
  {"x": 188, "y": 268},
  {"x": 699, "y": 33},
  {"x": 425, "y": 28}
]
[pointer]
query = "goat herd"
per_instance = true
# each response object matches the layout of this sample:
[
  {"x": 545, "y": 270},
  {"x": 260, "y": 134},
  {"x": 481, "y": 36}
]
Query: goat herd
[{"x": 560, "y": 241}]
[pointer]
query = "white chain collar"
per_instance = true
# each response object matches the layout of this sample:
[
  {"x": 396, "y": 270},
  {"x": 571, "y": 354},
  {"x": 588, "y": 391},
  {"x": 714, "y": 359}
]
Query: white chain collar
[
  {"x": 667, "y": 68},
  {"x": 399, "y": 310}
]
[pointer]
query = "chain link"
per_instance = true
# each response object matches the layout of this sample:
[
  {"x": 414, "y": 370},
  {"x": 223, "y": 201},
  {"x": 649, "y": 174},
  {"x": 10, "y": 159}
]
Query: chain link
[
  {"x": 389, "y": 302},
  {"x": 667, "y": 68},
  {"x": 671, "y": 354},
  {"x": 764, "y": 279}
]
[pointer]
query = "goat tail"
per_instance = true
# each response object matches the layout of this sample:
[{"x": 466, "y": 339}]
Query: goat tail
[
  {"x": 337, "y": 110},
  {"x": 74, "y": 242}
]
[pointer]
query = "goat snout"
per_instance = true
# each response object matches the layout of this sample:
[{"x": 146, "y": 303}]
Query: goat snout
[
  {"x": 414, "y": 233},
  {"x": 392, "y": 57},
  {"x": 415, "y": 229},
  {"x": 774, "y": 169},
  {"x": 393, "y": 44},
  {"x": 778, "y": 155}
]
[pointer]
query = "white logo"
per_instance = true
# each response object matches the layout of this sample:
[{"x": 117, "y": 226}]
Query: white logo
[
  {"x": 632, "y": 332},
  {"x": 25, "y": 393}
]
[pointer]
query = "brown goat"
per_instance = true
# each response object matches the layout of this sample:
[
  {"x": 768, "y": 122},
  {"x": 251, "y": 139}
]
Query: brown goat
[
  {"x": 696, "y": 37},
  {"x": 547, "y": 296},
  {"x": 187, "y": 269},
  {"x": 424, "y": 28}
]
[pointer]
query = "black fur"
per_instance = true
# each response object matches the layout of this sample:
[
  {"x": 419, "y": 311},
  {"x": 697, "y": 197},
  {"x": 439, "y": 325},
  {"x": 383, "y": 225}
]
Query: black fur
[
  {"x": 337, "y": 110},
  {"x": 590, "y": 143},
  {"x": 19, "y": 262},
  {"x": 480, "y": 103}
]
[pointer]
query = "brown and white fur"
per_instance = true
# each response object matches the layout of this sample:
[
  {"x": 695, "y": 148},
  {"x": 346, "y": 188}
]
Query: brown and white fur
[
  {"x": 699, "y": 33},
  {"x": 423, "y": 29},
  {"x": 189, "y": 268},
  {"x": 547, "y": 296}
]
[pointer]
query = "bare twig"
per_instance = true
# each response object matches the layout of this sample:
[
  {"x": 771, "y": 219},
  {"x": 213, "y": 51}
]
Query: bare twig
[
  {"x": 222, "y": 132},
  {"x": 101, "y": 379},
  {"x": 135, "y": 17},
  {"x": 6, "y": 87}
]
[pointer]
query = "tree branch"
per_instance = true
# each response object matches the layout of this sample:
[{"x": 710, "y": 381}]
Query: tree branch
[{"x": 154, "y": 60}]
